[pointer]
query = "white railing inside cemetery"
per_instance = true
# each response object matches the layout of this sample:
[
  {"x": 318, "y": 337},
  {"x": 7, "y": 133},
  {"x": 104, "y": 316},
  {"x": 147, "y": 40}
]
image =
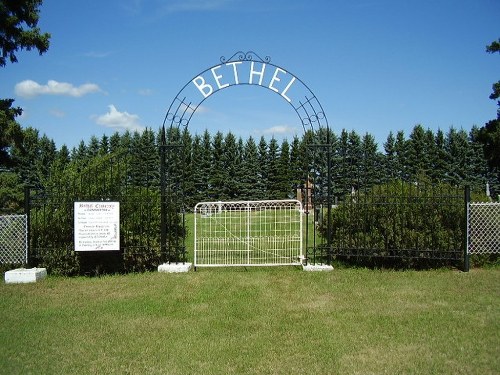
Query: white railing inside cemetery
[
  {"x": 484, "y": 228},
  {"x": 13, "y": 239},
  {"x": 248, "y": 233}
]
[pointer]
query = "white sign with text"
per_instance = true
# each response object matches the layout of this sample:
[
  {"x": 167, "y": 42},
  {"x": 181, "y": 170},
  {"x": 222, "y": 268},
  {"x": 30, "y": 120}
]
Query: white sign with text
[{"x": 97, "y": 226}]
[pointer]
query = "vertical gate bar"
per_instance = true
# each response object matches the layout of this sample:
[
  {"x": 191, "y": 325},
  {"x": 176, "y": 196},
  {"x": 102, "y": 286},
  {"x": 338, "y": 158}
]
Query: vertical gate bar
[{"x": 466, "y": 234}]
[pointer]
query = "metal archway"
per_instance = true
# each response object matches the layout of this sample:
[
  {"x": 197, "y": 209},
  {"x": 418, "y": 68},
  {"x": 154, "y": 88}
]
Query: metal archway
[{"x": 244, "y": 68}]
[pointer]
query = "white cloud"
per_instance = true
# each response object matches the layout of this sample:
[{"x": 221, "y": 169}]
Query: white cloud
[
  {"x": 119, "y": 120},
  {"x": 30, "y": 89},
  {"x": 280, "y": 129},
  {"x": 97, "y": 54},
  {"x": 190, "y": 109},
  {"x": 196, "y": 5},
  {"x": 57, "y": 113},
  {"x": 145, "y": 92}
]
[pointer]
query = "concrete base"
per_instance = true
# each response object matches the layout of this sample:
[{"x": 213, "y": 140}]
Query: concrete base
[
  {"x": 174, "y": 267},
  {"x": 25, "y": 275},
  {"x": 317, "y": 267}
]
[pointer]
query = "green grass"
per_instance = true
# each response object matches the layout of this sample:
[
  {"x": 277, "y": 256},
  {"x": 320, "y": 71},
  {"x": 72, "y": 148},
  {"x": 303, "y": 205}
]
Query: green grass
[{"x": 254, "y": 321}]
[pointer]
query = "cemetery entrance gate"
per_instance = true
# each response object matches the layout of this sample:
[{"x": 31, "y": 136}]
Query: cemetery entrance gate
[{"x": 150, "y": 191}]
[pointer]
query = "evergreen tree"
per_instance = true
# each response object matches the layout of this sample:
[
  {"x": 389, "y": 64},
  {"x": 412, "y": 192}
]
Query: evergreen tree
[
  {"x": 457, "y": 149},
  {"x": 80, "y": 154},
  {"x": 126, "y": 140},
  {"x": 400, "y": 148},
  {"x": 104, "y": 145},
  {"x": 199, "y": 189},
  {"x": 390, "y": 158},
  {"x": 372, "y": 169},
  {"x": 188, "y": 182},
  {"x": 297, "y": 173},
  {"x": 476, "y": 162},
  {"x": 250, "y": 168},
  {"x": 440, "y": 170},
  {"x": 355, "y": 155},
  {"x": 416, "y": 153},
  {"x": 284, "y": 182},
  {"x": 217, "y": 174},
  {"x": 240, "y": 147},
  {"x": 273, "y": 179},
  {"x": 263, "y": 169},
  {"x": 10, "y": 132},
  {"x": 47, "y": 156},
  {"x": 206, "y": 167},
  {"x": 341, "y": 174},
  {"x": 230, "y": 158},
  {"x": 114, "y": 142},
  {"x": 93, "y": 147},
  {"x": 26, "y": 158}
]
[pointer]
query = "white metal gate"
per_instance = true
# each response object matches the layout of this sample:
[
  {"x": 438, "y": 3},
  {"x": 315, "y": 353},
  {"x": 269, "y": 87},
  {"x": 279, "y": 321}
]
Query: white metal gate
[
  {"x": 248, "y": 233},
  {"x": 484, "y": 228},
  {"x": 13, "y": 239}
]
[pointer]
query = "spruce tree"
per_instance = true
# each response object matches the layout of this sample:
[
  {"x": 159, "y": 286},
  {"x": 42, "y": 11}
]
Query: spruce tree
[
  {"x": 273, "y": 188},
  {"x": 390, "y": 158},
  {"x": 400, "y": 148},
  {"x": 26, "y": 157},
  {"x": 441, "y": 169},
  {"x": 372, "y": 168},
  {"x": 263, "y": 169},
  {"x": 250, "y": 169},
  {"x": 188, "y": 181},
  {"x": 285, "y": 186},
  {"x": 217, "y": 175},
  {"x": 229, "y": 168},
  {"x": 46, "y": 158},
  {"x": 297, "y": 173},
  {"x": 416, "y": 153},
  {"x": 206, "y": 167},
  {"x": 114, "y": 142}
]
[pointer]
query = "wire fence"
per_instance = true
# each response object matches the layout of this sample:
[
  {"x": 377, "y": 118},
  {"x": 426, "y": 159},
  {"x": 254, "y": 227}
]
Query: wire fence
[
  {"x": 13, "y": 239},
  {"x": 484, "y": 228}
]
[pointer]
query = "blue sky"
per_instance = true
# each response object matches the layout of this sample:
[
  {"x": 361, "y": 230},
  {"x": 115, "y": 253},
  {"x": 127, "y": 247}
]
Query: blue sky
[{"x": 374, "y": 65}]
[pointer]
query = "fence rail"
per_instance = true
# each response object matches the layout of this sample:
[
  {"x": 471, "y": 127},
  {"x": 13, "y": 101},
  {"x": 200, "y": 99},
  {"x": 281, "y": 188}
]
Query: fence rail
[{"x": 13, "y": 239}]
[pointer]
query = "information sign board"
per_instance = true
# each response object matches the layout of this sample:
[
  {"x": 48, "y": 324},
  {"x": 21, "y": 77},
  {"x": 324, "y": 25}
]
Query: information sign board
[{"x": 97, "y": 226}]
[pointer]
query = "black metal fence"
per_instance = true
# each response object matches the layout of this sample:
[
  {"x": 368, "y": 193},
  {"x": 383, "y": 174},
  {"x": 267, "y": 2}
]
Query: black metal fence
[
  {"x": 396, "y": 223},
  {"x": 144, "y": 216}
]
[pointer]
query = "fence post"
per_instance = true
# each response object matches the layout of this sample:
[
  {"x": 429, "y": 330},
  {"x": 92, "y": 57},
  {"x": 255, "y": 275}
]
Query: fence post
[
  {"x": 27, "y": 204},
  {"x": 466, "y": 235},
  {"x": 163, "y": 203}
]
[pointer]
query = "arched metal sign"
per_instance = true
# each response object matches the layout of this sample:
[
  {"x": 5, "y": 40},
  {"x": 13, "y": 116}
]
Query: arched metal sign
[{"x": 246, "y": 68}]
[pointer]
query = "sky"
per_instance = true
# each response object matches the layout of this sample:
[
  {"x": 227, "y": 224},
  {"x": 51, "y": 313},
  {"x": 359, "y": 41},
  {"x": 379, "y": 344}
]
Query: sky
[{"x": 375, "y": 66}]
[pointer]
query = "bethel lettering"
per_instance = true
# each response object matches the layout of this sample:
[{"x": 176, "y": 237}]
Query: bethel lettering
[{"x": 256, "y": 74}]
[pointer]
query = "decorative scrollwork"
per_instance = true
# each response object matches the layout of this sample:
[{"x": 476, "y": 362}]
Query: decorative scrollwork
[{"x": 245, "y": 56}]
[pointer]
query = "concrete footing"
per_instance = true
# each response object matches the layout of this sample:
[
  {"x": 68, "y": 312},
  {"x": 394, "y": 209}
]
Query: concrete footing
[
  {"x": 174, "y": 267},
  {"x": 317, "y": 267},
  {"x": 25, "y": 275}
]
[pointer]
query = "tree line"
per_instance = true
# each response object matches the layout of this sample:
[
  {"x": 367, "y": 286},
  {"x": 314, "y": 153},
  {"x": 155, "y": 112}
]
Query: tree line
[{"x": 208, "y": 167}]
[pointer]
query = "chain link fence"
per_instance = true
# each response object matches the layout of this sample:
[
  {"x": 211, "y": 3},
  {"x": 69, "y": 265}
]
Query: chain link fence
[
  {"x": 484, "y": 228},
  {"x": 13, "y": 239}
]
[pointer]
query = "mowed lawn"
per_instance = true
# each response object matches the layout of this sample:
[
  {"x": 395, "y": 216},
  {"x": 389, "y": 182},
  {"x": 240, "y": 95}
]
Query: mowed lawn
[{"x": 254, "y": 321}]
